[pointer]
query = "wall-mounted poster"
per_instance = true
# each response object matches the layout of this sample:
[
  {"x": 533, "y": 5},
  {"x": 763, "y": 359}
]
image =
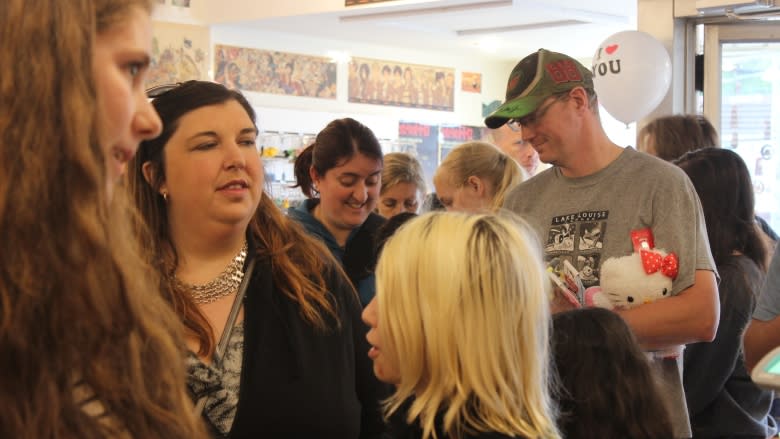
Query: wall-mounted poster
[
  {"x": 182, "y": 3},
  {"x": 275, "y": 72},
  {"x": 454, "y": 135},
  {"x": 363, "y": 2},
  {"x": 471, "y": 82},
  {"x": 425, "y": 141},
  {"x": 373, "y": 81},
  {"x": 178, "y": 53}
]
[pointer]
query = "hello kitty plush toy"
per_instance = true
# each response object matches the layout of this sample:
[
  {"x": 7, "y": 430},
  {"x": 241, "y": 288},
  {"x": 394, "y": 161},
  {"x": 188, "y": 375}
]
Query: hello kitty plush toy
[
  {"x": 639, "y": 278},
  {"x": 626, "y": 283}
]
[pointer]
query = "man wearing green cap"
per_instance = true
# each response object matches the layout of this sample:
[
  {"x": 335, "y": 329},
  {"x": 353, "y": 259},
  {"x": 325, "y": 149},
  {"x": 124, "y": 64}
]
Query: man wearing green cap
[{"x": 601, "y": 201}]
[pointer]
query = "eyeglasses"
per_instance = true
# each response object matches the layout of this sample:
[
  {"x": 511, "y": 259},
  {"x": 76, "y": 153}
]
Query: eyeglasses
[
  {"x": 159, "y": 90},
  {"x": 534, "y": 118}
]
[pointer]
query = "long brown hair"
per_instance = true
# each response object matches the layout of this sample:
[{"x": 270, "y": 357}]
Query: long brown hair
[
  {"x": 76, "y": 298},
  {"x": 722, "y": 181},
  {"x": 300, "y": 263}
]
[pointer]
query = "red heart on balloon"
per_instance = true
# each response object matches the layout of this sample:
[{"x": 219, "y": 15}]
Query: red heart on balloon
[{"x": 611, "y": 49}]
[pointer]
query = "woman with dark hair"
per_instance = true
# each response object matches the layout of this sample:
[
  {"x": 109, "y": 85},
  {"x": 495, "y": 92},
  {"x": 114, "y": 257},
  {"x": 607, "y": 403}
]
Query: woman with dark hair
[
  {"x": 669, "y": 137},
  {"x": 607, "y": 387},
  {"x": 722, "y": 399},
  {"x": 341, "y": 174},
  {"x": 290, "y": 361}
]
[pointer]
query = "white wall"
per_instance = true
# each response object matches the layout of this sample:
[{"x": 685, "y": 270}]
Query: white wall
[
  {"x": 303, "y": 115},
  {"x": 309, "y": 115}
]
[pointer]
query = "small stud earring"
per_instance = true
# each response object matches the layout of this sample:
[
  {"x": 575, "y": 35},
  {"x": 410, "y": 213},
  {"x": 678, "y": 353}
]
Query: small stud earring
[{"x": 165, "y": 196}]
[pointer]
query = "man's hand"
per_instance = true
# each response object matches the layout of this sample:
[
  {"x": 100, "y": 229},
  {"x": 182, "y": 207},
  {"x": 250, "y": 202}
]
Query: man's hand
[{"x": 563, "y": 300}]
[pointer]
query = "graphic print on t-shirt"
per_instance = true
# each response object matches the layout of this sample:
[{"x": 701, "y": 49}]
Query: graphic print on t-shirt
[{"x": 579, "y": 239}]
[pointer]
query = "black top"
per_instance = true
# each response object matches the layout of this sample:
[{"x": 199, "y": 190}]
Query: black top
[
  {"x": 722, "y": 399},
  {"x": 298, "y": 382},
  {"x": 399, "y": 429}
]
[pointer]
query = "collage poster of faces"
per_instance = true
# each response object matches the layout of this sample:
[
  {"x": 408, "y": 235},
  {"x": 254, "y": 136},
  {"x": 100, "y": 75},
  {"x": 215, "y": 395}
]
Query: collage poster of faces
[
  {"x": 373, "y": 81},
  {"x": 282, "y": 73}
]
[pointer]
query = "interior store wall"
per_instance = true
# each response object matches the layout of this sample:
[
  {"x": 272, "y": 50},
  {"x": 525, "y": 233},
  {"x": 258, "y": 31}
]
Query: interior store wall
[
  {"x": 302, "y": 115},
  {"x": 309, "y": 115}
]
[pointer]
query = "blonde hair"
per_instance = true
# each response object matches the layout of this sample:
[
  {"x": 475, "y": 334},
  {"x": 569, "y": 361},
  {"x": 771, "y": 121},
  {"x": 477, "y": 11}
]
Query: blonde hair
[
  {"x": 462, "y": 302},
  {"x": 483, "y": 160},
  {"x": 399, "y": 168},
  {"x": 76, "y": 300}
]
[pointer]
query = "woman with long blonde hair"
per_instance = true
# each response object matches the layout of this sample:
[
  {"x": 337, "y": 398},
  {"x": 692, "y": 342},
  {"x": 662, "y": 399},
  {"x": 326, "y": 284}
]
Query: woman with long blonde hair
[
  {"x": 475, "y": 177},
  {"x": 88, "y": 347},
  {"x": 460, "y": 326}
]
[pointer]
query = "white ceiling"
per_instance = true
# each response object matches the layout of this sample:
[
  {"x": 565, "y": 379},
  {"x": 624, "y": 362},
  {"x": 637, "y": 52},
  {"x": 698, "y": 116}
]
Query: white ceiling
[{"x": 519, "y": 27}]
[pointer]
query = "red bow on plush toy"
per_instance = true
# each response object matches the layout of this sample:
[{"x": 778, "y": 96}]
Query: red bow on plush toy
[{"x": 653, "y": 262}]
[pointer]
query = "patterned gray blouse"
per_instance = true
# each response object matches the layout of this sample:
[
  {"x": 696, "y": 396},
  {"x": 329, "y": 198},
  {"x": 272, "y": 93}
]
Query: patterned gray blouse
[{"x": 220, "y": 385}]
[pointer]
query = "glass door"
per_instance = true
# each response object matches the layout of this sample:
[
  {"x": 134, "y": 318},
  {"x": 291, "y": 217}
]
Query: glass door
[{"x": 742, "y": 99}]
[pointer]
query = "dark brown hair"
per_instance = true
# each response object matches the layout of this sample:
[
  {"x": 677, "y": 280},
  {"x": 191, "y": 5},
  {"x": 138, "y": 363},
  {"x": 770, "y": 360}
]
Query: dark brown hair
[
  {"x": 607, "y": 387},
  {"x": 723, "y": 184},
  {"x": 300, "y": 263},
  {"x": 338, "y": 142}
]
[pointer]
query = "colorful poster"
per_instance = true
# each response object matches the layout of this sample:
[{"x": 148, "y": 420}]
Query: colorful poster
[
  {"x": 179, "y": 53},
  {"x": 471, "y": 82},
  {"x": 452, "y": 136},
  {"x": 425, "y": 141},
  {"x": 282, "y": 73},
  {"x": 373, "y": 81}
]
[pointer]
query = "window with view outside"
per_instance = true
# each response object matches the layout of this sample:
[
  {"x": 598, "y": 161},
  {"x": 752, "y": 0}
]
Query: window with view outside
[{"x": 750, "y": 118}]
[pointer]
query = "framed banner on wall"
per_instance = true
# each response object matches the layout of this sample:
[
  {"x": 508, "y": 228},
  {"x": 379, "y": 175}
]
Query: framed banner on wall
[
  {"x": 373, "y": 81},
  {"x": 275, "y": 72}
]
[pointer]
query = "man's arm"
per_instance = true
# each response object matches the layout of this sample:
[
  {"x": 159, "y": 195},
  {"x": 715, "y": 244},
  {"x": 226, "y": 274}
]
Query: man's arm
[
  {"x": 690, "y": 316},
  {"x": 760, "y": 338}
]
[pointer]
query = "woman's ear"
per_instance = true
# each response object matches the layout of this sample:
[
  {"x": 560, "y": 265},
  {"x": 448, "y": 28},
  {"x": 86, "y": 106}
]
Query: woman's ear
[
  {"x": 148, "y": 170},
  {"x": 475, "y": 184},
  {"x": 315, "y": 178}
]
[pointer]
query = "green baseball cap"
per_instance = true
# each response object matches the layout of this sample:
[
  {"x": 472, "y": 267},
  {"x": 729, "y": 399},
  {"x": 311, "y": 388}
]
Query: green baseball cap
[{"x": 535, "y": 78}]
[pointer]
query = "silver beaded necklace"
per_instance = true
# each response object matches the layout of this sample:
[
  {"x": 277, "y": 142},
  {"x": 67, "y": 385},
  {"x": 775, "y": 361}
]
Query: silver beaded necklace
[{"x": 225, "y": 284}]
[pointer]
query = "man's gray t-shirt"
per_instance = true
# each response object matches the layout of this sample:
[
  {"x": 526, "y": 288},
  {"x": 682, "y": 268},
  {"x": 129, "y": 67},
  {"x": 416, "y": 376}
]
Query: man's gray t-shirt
[
  {"x": 768, "y": 306},
  {"x": 589, "y": 219}
]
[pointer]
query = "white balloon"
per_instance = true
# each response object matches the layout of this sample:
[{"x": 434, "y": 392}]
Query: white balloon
[{"x": 631, "y": 74}]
